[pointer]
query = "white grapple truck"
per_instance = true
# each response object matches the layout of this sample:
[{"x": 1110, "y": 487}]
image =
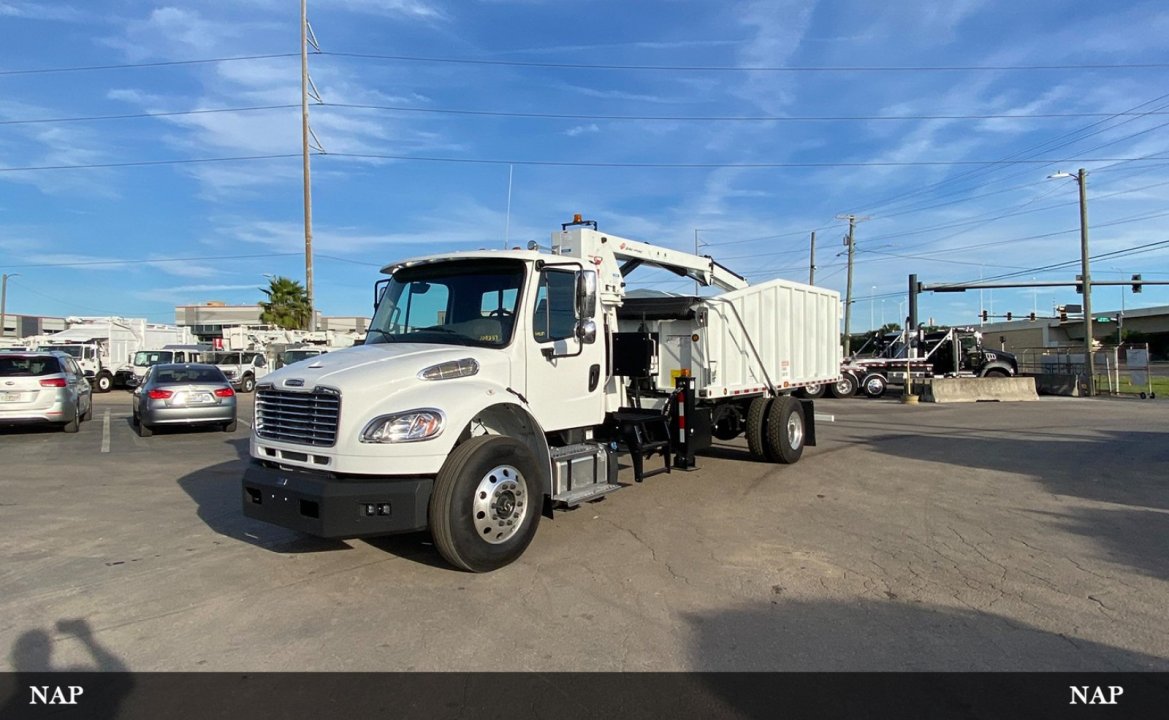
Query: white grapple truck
[{"x": 494, "y": 387}]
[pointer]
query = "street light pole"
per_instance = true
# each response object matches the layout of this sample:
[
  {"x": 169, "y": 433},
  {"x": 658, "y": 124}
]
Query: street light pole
[
  {"x": 1082, "y": 181},
  {"x": 4, "y": 303}
]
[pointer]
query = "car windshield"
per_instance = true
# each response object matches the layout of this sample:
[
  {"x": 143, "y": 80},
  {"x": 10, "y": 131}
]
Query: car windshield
[
  {"x": 461, "y": 302},
  {"x": 146, "y": 358},
  {"x": 28, "y": 366},
  {"x": 189, "y": 375}
]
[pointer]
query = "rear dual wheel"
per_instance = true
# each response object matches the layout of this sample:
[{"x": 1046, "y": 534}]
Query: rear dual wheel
[{"x": 776, "y": 429}]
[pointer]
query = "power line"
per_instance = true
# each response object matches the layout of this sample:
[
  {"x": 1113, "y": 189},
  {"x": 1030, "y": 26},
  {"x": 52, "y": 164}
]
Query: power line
[
  {"x": 149, "y": 261},
  {"x": 723, "y": 118},
  {"x": 130, "y": 116},
  {"x": 149, "y": 163},
  {"x": 748, "y": 68},
  {"x": 160, "y": 63},
  {"x": 747, "y": 165}
]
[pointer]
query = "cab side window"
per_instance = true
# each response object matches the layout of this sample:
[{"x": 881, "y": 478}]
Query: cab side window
[{"x": 555, "y": 310}]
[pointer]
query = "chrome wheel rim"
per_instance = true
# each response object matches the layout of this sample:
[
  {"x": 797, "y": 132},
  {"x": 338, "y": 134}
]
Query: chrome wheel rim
[
  {"x": 500, "y": 505},
  {"x": 873, "y": 386},
  {"x": 844, "y": 387},
  {"x": 795, "y": 431}
]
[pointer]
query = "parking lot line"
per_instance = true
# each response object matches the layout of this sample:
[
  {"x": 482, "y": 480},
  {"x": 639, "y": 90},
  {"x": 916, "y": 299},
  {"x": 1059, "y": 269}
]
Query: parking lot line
[
  {"x": 105, "y": 432},
  {"x": 245, "y": 422}
]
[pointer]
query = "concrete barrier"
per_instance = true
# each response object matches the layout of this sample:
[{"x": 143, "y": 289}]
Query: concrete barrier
[
  {"x": 1053, "y": 384},
  {"x": 991, "y": 389}
]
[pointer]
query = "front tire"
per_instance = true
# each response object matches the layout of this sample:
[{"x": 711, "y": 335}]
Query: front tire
[
  {"x": 486, "y": 503},
  {"x": 874, "y": 385},
  {"x": 104, "y": 383},
  {"x": 248, "y": 384},
  {"x": 996, "y": 373},
  {"x": 786, "y": 430}
]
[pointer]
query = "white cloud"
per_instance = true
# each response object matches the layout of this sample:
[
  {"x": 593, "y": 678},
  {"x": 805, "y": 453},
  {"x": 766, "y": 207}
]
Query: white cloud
[
  {"x": 582, "y": 129},
  {"x": 43, "y": 11}
]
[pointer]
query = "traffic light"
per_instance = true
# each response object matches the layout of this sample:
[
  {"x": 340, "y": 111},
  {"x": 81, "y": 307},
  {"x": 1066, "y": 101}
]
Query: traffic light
[
  {"x": 1136, "y": 283},
  {"x": 1031, "y": 317},
  {"x": 1008, "y": 316},
  {"x": 985, "y": 315},
  {"x": 1079, "y": 284}
]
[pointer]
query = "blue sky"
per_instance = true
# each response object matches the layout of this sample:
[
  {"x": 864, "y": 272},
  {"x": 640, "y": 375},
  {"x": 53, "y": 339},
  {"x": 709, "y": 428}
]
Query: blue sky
[{"x": 96, "y": 240}]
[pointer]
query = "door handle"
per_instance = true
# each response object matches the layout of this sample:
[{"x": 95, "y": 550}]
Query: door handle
[{"x": 594, "y": 376}]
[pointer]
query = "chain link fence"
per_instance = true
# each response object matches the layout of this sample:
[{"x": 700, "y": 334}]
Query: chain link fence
[{"x": 1119, "y": 370}]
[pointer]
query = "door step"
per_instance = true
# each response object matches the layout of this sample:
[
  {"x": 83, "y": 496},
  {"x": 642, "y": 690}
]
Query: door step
[{"x": 573, "y": 498}]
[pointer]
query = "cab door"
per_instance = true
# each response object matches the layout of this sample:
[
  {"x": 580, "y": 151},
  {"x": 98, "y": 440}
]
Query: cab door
[{"x": 565, "y": 377}]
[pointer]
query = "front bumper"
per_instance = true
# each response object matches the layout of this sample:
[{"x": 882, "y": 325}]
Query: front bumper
[{"x": 322, "y": 505}]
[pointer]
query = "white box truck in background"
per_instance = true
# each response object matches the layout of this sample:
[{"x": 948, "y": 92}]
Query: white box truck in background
[
  {"x": 497, "y": 386},
  {"x": 104, "y": 347}
]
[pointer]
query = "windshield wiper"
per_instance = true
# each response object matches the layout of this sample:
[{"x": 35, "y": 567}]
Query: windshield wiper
[{"x": 388, "y": 336}]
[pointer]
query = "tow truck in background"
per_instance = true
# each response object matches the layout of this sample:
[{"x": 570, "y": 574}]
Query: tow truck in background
[
  {"x": 494, "y": 387},
  {"x": 949, "y": 352}
]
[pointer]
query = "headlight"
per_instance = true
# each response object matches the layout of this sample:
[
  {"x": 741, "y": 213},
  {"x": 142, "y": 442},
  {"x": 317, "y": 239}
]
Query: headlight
[
  {"x": 410, "y": 426},
  {"x": 451, "y": 369}
]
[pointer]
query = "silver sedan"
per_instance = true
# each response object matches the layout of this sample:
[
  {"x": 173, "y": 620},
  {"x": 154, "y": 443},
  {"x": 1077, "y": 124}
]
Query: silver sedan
[{"x": 184, "y": 395}]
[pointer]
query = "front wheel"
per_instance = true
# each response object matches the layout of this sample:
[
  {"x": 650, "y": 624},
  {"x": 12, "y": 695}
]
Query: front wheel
[
  {"x": 996, "y": 373},
  {"x": 486, "y": 503},
  {"x": 248, "y": 384},
  {"x": 104, "y": 383},
  {"x": 874, "y": 385}
]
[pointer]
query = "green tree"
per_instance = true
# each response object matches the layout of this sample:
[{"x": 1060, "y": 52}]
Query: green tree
[{"x": 287, "y": 305}]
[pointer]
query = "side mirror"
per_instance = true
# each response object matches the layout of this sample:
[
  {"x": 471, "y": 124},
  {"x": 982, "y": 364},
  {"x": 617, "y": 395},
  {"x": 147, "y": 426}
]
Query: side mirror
[
  {"x": 379, "y": 290},
  {"x": 586, "y": 331},
  {"x": 586, "y": 295}
]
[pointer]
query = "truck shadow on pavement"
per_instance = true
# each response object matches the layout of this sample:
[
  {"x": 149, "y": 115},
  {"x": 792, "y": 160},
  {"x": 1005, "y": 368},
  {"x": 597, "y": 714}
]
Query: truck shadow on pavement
[
  {"x": 217, "y": 492},
  {"x": 1118, "y": 468}
]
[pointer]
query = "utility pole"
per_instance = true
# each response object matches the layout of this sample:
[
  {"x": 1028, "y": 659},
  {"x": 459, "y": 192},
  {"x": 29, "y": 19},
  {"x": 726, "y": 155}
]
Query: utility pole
[
  {"x": 1082, "y": 181},
  {"x": 812, "y": 261},
  {"x": 850, "y": 241},
  {"x": 4, "y": 304},
  {"x": 304, "y": 135},
  {"x": 695, "y": 252}
]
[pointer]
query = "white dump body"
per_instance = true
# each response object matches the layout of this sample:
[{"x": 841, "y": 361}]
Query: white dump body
[{"x": 779, "y": 334}]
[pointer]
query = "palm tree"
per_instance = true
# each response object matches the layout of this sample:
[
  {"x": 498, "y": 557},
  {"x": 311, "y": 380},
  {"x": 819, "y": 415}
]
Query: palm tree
[{"x": 287, "y": 306}]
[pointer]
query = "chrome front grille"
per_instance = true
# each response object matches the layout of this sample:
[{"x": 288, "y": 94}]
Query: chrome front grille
[{"x": 305, "y": 418}]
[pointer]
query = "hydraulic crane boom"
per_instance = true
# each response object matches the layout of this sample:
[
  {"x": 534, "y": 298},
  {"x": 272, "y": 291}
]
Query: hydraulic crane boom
[{"x": 615, "y": 257}]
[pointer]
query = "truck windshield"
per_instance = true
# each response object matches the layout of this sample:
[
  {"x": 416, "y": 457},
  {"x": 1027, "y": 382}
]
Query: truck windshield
[
  {"x": 292, "y": 356},
  {"x": 225, "y": 358},
  {"x": 461, "y": 302},
  {"x": 74, "y": 350},
  {"x": 145, "y": 358}
]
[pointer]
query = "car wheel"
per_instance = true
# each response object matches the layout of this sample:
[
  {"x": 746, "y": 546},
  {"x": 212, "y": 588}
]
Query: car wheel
[
  {"x": 73, "y": 425},
  {"x": 486, "y": 503},
  {"x": 230, "y": 427},
  {"x": 88, "y": 415},
  {"x": 248, "y": 384},
  {"x": 812, "y": 391},
  {"x": 143, "y": 430},
  {"x": 104, "y": 383}
]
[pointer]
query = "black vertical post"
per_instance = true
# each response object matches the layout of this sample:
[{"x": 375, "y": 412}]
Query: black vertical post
[
  {"x": 683, "y": 422},
  {"x": 913, "y": 290}
]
